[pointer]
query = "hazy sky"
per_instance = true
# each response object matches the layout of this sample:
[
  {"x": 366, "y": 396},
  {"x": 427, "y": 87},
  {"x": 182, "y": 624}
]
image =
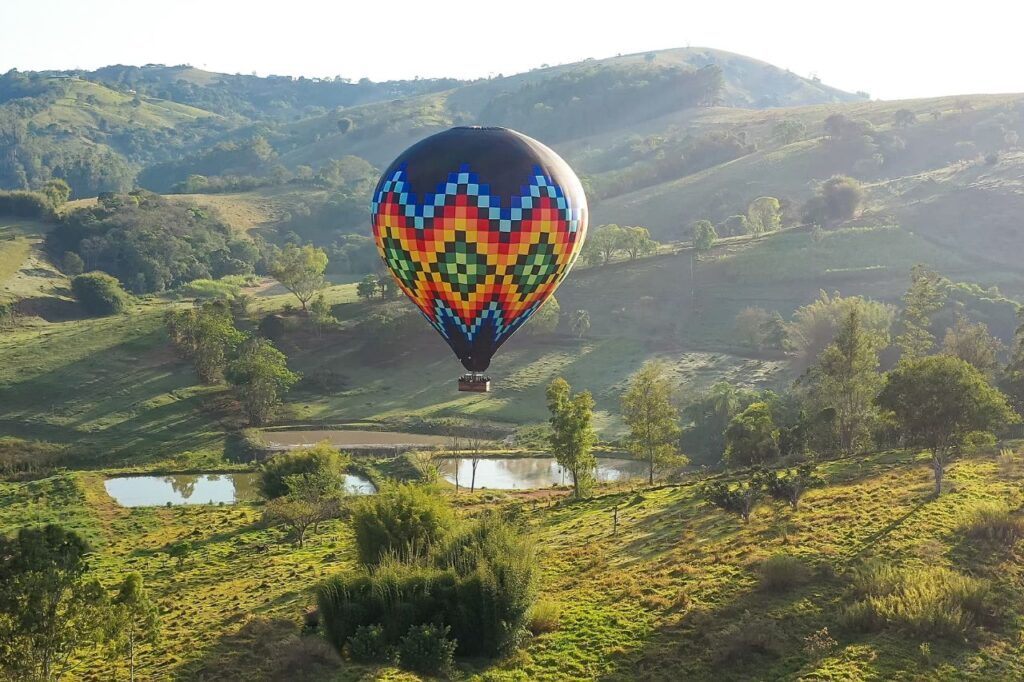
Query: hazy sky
[{"x": 891, "y": 49}]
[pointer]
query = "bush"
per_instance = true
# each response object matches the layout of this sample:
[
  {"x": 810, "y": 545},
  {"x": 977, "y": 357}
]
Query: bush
[
  {"x": 924, "y": 602},
  {"x": 481, "y": 583},
  {"x": 426, "y": 650},
  {"x": 404, "y": 521},
  {"x": 319, "y": 458},
  {"x": 992, "y": 522},
  {"x": 782, "y": 572},
  {"x": 544, "y": 617},
  {"x": 72, "y": 264},
  {"x": 749, "y": 638},
  {"x": 22, "y": 204},
  {"x": 210, "y": 289},
  {"x": 369, "y": 645},
  {"x": 22, "y": 459},
  {"x": 99, "y": 293}
]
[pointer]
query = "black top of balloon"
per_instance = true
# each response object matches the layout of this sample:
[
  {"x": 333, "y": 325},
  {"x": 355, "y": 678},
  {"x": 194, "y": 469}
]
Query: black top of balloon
[{"x": 503, "y": 158}]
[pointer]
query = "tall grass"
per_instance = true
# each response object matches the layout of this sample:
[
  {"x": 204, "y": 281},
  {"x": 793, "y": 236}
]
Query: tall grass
[
  {"x": 924, "y": 602},
  {"x": 992, "y": 522},
  {"x": 782, "y": 572}
]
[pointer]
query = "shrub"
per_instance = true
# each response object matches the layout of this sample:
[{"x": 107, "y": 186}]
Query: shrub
[
  {"x": 404, "y": 521},
  {"x": 746, "y": 639},
  {"x": 22, "y": 459},
  {"x": 739, "y": 500},
  {"x": 72, "y": 264},
  {"x": 99, "y": 293},
  {"x": 321, "y": 458},
  {"x": 497, "y": 585},
  {"x": 481, "y": 583},
  {"x": 210, "y": 289},
  {"x": 427, "y": 650},
  {"x": 22, "y": 204},
  {"x": 544, "y": 617},
  {"x": 782, "y": 572},
  {"x": 369, "y": 645},
  {"x": 992, "y": 522},
  {"x": 924, "y": 602}
]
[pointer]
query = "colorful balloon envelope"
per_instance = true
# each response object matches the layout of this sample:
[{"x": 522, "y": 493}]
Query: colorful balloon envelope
[{"x": 479, "y": 226}]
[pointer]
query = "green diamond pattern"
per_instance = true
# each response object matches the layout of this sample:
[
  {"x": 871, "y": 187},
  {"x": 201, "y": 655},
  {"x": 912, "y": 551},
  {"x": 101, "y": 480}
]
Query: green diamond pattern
[
  {"x": 400, "y": 261},
  {"x": 535, "y": 269},
  {"x": 462, "y": 267}
]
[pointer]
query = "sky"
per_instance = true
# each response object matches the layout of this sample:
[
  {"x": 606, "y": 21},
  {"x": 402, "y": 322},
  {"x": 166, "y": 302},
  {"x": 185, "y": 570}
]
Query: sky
[{"x": 893, "y": 49}]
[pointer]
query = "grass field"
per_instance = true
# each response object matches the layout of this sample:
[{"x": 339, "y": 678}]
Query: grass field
[{"x": 673, "y": 595}]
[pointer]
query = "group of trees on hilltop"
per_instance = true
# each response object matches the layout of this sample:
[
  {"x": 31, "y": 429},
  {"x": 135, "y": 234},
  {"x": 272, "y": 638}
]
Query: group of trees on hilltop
[
  {"x": 151, "y": 243},
  {"x": 585, "y": 100},
  {"x": 607, "y": 242}
]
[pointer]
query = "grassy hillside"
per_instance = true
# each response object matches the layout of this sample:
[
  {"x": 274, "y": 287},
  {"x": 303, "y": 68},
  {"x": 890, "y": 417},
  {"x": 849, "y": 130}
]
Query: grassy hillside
[{"x": 674, "y": 593}]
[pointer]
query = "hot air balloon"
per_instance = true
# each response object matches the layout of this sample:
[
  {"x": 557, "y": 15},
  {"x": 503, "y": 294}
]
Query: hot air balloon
[{"x": 478, "y": 226}]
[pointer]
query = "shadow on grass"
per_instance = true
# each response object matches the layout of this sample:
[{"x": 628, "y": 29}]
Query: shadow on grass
[
  {"x": 129, "y": 403},
  {"x": 264, "y": 650}
]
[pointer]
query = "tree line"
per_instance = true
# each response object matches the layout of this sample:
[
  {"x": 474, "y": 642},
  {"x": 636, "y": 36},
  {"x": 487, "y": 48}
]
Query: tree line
[{"x": 944, "y": 399}]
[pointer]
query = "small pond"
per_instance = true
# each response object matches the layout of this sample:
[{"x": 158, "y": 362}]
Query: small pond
[
  {"x": 524, "y": 473},
  {"x": 158, "y": 491}
]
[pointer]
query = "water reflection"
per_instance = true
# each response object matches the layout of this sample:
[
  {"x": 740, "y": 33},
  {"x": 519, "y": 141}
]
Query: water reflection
[
  {"x": 157, "y": 491},
  {"x": 522, "y": 473}
]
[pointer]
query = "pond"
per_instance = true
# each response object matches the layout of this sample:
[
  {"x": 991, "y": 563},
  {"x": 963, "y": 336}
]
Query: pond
[
  {"x": 523, "y": 473},
  {"x": 158, "y": 491}
]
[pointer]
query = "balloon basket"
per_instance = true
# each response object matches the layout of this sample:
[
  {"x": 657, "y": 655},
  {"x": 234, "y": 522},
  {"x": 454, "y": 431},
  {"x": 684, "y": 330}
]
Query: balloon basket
[{"x": 475, "y": 382}]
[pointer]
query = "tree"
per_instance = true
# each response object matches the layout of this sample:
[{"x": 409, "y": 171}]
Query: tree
[
  {"x": 296, "y": 513},
  {"x": 300, "y": 270},
  {"x": 321, "y": 313},
  {"x": 1013, "y": 380},
  {"x": 99, "y": 293},
  {"x": 136, "y": 620},
  {"x": 72, "y": 264},
  {"x": 842, "y": 196},
  {"x": 710, "y": 415},
  {"x": 788, "y": 131},
  {"x": 572, "y": 433},
  {"x": 652, "y": 419},
  {"x": 741, "y": 499},
  {"x": 750, "y": 326},
  {"x": 815, "y": 325},
  {"x": 788, "y": 486},
  {"x": 752, "y": 437},
  {"x": 926, "y": 295},
  {"x": 475, "y": 444},
  {"x": 180, "y": 551},
  {"x": 764, "y": 215},
  {"x": 974, "y": 344},
  {"x": 603, "y": 243},
  {"x": 321, "y": 463},
  {"x": 904, "y": 118},
  {"x": 57, "y": 191},
  {"x": 207, "y": 336},
  {"x": 846, "y": 380},
  {"x": 938, "y": 401},
  {"x": 50, "y": 609},
  {"x": 368, "y": 286},
  {"x": 545, "y": 320},
  {"x": 636, "y": 241},
  {"x": 580, "y": 323},
  {"x": 735, "y": 226},
  {"x": 704, "y": 236},
  {"x": 260, "y": 376}
]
